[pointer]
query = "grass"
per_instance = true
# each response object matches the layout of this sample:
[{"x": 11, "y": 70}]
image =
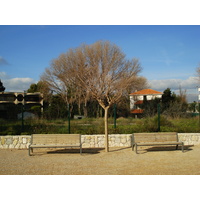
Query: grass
[{"x": 93, "y": 126}]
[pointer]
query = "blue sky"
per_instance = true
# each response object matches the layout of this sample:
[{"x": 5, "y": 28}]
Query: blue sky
[{"x": 169, "y": 55}]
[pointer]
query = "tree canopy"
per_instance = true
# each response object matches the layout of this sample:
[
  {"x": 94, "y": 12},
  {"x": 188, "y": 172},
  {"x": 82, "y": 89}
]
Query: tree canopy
[
  {"x": 99, "y": 71},
  {"x": 2, "y": 88}
]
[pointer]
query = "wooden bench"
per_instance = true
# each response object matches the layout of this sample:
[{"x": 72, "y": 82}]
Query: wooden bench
[
  {"x": 55, "y": 141},
  {"x": 156, "y": 139}
]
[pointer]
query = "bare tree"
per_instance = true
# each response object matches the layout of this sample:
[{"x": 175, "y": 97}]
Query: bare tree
[
  {"x": 59, "y": 81},
  {"x": 106, "y": 74},
  {"x": 100, "y": 71}
]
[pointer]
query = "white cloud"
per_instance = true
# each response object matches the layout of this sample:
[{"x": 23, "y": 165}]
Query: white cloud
[
  {"x": 174, "y": 84},
  {"x": 3, "y": 75},
  {"x": 18, "y": 84},
  {"x": 15, "y": 84},
  {"x": 190, "y": 85}
]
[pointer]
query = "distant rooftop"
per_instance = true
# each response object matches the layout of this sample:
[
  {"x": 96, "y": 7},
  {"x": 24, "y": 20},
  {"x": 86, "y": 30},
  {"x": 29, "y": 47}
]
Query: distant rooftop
[
  {"x": 147, "y": 92},
  {"x": 137, "y": 111}
]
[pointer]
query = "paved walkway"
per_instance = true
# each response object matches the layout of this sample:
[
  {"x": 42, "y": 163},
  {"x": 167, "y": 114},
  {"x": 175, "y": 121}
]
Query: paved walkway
[{"x": 119, "y": 161}]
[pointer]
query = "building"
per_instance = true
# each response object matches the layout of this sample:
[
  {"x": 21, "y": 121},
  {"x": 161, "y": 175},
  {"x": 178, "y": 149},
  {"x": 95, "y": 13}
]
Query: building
[
  {"x": 11, "y": 103},
  {"x": 137, "y": 99}
]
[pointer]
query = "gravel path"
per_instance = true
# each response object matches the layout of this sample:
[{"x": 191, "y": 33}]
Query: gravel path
[{"x": 119, "y": 161}]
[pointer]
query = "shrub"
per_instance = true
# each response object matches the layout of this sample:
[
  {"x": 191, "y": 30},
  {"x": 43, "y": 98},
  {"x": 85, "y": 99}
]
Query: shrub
[
  {"x": 93, "y": 126},
  {"x": 151, "y": 124}
]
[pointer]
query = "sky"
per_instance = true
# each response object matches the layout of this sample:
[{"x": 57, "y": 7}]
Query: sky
[{"x": 168, "y": 54}]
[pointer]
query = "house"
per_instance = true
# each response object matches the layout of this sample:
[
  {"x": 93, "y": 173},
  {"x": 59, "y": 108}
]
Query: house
[{"x": 137, "y": 99}]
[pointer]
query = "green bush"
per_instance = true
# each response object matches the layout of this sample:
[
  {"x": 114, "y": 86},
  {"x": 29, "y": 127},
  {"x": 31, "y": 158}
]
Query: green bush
[
  {"x": 151, "y": 124},
  {"x": 93, "y": 126}
]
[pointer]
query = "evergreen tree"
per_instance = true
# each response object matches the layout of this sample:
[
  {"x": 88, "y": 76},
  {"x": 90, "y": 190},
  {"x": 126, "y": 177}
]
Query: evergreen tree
[{"x": 2, "y": 88}]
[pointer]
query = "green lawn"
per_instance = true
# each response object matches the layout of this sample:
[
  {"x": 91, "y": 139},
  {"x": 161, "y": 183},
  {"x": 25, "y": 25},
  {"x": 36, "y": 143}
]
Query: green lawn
[{"x": 96, "y": 126}]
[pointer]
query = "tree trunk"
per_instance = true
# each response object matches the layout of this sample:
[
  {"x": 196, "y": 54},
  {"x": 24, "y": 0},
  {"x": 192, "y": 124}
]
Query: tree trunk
[
  {"x": 79, "y": 108},
  {"x": 97, "y": 113},
  {"x": 106, "y": 129},
  {"x": 85, "y": 109}
]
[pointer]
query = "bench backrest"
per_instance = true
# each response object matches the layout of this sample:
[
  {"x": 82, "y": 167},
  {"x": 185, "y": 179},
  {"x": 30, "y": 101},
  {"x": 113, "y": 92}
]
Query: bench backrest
[
  {"x": 155, "y": 137},
  {"x": 56, "y": 139}
]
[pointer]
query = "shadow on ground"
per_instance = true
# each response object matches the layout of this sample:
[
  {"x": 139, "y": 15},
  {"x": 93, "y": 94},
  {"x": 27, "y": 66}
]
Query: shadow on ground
[
  {"x": 166, "y": 148},
  {"x": 76, "y": 151},
  {"x": 113, "y": 150}
]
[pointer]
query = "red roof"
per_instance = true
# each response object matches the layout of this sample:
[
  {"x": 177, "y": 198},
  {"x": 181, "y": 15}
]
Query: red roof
[
  {"x": 139, "y": 102},
  {"x": 137, "y": 111},
  {"x": 146, "y": 92}
]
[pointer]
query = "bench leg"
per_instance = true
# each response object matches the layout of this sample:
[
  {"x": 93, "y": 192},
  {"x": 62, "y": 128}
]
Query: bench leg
[
  {"x": 81, "y": 149},
  {"x": 182, "y": 147},
  {"x": 177, "y": 147},
  {"x": 133, "y": 147},
  {"x": 136, "y": 148},
  {"x": 29, "y": 151}
]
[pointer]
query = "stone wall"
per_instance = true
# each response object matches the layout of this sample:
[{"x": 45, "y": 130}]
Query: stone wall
[
  {"x": 189, "y": 138},
  {"x": 115, "y": 140},
  {"x": 93, "y": 141},
  {"x": 15, "y": 142}
]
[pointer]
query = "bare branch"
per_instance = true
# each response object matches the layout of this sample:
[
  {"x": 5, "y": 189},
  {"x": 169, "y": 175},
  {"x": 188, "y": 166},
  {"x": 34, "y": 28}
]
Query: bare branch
[{"x": 99, "y": 70}]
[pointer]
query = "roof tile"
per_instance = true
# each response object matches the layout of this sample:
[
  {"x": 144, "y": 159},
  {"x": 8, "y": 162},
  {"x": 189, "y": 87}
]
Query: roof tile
[{"x": 146, "y": 92}]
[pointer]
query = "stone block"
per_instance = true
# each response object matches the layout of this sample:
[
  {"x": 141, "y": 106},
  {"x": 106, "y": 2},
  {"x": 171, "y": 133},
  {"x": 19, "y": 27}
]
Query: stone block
[
  {"x": 117, "y": 140},
  {"x": 112, "y": 139},
  {"x": 22, "y": 146},
  {"x": 24, "y": 140},
  {"x": 29, "y": 140},
  {"x": 11, "y": 146},
  {"x": 15, "y": 141},
  {"x": 9, "y": 141},
  {"x": 88, "y": 137},
  {"x": 17, "y": 146},
  {"x": 123, "y": 140},
  {"x": 2, "y": 140}
]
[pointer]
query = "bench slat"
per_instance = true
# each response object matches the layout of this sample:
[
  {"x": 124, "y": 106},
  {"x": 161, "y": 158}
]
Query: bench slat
[
  {"x": 157, "y": 143},
  {"x": 155, "y": 139},
  {"x": 55, "y": 138},
  {"x": 55, "y": 141},
  {"x": 54, "y": 145}
]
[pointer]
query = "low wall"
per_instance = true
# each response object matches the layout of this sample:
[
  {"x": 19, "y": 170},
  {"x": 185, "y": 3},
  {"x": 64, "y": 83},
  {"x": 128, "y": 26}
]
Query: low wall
[
  {"x": 15, "y": 142},
  {"x": 115, "y": 140},
  {"x": 92, "y": 141},
  {"x": 189, "y": 138}
]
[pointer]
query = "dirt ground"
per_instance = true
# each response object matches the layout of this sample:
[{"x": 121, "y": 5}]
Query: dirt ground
[{"x": 119, "y": 161}]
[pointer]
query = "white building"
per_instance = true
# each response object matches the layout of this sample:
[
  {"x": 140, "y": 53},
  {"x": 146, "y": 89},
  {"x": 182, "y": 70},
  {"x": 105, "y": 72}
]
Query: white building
[{"x": 137, "y": 98}]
